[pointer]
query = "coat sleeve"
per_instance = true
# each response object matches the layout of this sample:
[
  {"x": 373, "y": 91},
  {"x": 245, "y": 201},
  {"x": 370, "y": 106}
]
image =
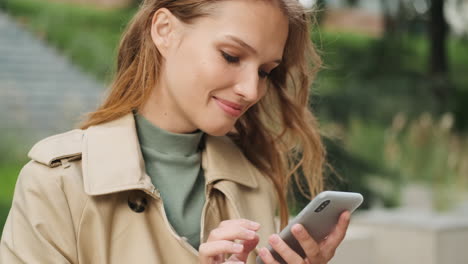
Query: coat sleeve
[{"x": 39, "y": 227}]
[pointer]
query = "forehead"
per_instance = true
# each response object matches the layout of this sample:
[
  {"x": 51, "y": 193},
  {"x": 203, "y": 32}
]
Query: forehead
[{"x": 260, "y": 24}]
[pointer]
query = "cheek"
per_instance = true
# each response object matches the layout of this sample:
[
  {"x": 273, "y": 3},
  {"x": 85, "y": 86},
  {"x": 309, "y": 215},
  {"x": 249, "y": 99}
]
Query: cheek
[
  {"x": 263, "y": 90},
  {"x": 190, "y": 74},
  {"x": 197, "y": 75},
  {"x": 210, "y": 73}
]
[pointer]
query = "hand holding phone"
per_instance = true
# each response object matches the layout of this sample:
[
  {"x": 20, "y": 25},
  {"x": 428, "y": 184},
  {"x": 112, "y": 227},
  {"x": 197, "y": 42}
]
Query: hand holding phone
[{"x": 319, "y": 218}]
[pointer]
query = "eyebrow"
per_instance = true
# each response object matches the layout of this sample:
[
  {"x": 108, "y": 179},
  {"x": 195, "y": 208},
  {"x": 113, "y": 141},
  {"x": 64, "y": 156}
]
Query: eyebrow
[{"x": 246, "y": 46}]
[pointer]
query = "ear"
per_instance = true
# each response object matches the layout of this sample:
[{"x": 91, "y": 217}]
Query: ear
[{"x": 162, "y": 29}]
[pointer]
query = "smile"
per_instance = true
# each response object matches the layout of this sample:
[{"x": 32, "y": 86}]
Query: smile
[{"x": 234, "y": 111}]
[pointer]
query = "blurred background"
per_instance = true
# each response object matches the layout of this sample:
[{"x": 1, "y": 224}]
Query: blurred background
[{"x": 392, "y": 100}]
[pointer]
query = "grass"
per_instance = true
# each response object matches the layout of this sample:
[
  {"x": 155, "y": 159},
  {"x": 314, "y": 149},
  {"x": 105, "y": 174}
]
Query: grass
[{"x": 8, "y": 172}]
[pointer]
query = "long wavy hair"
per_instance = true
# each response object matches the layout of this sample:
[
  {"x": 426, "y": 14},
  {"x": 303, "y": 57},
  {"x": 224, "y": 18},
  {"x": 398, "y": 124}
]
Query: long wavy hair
[{"x": 279, "y": 134}]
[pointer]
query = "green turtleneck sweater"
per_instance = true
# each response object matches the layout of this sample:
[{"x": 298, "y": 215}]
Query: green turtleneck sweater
[{"x": 173, "y": 161}]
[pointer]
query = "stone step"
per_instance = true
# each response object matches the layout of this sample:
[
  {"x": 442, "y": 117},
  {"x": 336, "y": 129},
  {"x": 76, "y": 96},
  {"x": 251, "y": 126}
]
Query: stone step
[
  {"x": 9, "y": 78},
  {"x": 355, "y": 247},
  {"x": 49, "y": 88},
  {"x": 48, "y": 103},
  {"x": 44, "y": 107},
  {"x": 411, "y": 236},
  {"x": 12, "y": 66},
  {"x": 25, "y": 46},
  {"x": 41, "y": 92},
  {"x": 27, "y": 117},
  {"x": 59, "y": 76},
  {"x": 47, "y": 75},
  {"x": 12, "y": 56},
  {"x": 15, "y": 55},
  {"x": 21, "y": 40}
]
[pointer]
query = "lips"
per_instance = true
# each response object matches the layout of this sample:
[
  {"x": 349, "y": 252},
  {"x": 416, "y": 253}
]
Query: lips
[{"x": 229, "y": 107}]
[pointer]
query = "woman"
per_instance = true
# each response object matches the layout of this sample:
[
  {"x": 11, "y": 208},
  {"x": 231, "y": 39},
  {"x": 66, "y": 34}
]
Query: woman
[{"x": 205, "y": 124}]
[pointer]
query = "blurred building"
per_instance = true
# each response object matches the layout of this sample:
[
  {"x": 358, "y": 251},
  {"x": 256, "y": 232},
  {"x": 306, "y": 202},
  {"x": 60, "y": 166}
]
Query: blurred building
[
  {"x": 367, "y": 16},
  {"x": 364, "y": 16},
  {"x": 354, "y": 20}
]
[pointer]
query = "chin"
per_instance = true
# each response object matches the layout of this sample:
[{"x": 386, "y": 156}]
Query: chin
[{"x": 217, "y": 131}]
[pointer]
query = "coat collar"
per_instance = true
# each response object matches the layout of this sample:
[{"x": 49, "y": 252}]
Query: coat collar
[{"x": 112, "y": 160}]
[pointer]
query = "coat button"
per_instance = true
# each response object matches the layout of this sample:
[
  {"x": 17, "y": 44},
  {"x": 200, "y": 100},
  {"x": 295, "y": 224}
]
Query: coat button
[{"x": 137, "y": 203}]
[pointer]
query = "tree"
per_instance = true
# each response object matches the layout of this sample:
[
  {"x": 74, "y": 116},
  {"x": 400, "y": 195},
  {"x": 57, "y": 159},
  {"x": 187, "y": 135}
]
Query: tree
[
  {"x": 352, "y": 2},
  {"x": 390, "y": 22},
  {"x": 320, "y": 6},
  {"x": 438, "y": 37},
  {"x": 438, "y": 33}
]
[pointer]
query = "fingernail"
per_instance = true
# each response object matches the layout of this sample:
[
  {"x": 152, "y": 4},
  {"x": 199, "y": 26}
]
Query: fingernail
[
  {"x": 263, "y": 252},
  {"x": 274, "y": 239},
  {"x": 298, "y": 228},
  {"x": 254, "y": 225},
  {"x": 250, "y": 234},
  {"x": 238, "y": 247},
  {"x": 347, "y": 216}
]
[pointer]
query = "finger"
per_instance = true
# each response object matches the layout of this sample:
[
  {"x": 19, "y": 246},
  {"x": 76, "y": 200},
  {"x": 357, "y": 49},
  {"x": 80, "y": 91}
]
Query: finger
[
  {"x": 266, "y": 256},
  {"x": 231, "y": 232},
  {"x": 336, "y": 237},
  {"x": 249, "y": 245},
  {"x": 211, "y": 249},
  {"x": 308, "y": 244},
  {"x": 289, "y": 255},
  {"x": 245, "y": 223}
]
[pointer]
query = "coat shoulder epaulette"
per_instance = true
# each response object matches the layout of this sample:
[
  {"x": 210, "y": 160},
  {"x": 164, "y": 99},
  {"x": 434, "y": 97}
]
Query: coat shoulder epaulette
[{"x": 58, "y": 149}]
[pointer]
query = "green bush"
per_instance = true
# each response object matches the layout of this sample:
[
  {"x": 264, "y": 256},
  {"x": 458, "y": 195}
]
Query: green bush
[
  {"x": 377, "y": 78},
  {"x": 8, "y": 173}
]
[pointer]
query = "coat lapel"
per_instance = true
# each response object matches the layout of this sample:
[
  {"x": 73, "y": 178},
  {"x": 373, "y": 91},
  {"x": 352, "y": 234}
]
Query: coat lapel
[{"x": 112, "y": 160}]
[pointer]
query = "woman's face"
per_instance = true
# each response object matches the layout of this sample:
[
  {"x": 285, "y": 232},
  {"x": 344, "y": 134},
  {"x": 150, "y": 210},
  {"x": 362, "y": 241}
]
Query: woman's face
[{"x": 215, "y": 69}]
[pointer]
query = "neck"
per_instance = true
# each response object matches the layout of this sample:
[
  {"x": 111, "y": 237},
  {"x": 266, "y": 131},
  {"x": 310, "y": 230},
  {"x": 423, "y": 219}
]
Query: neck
[{"x": 162, "y": 112}]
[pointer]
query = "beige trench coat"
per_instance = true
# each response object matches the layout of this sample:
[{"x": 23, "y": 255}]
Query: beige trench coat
[{"x": 85, "y": 198}]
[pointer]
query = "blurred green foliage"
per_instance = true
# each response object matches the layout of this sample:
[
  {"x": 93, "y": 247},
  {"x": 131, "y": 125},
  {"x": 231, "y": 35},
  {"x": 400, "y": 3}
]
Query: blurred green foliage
[
  {"x": 376, "y": 78},
  {"x": 12, "y": 159},
  {"x": 366, "y": 86},
  {"x": 9, "y": 172},
  {"x": 88, "y": 36},
  {"x": 427, "y": 151}
]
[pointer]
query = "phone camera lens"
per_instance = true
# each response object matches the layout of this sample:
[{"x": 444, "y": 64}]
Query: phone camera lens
[{"x": 322, "y": 206}]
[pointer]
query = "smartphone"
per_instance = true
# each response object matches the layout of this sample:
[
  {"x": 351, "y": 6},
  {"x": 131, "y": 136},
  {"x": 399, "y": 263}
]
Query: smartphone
[{"x": 319, "y": 218}]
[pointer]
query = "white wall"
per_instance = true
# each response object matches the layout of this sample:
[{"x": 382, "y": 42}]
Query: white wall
[{"x": 405, "y": 237}]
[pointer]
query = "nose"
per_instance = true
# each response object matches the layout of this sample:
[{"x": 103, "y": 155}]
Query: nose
[{"x": 248, "y": 86}]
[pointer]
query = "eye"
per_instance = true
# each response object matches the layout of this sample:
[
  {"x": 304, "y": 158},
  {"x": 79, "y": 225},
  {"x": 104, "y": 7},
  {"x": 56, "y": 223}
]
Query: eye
[
  {"x": 229, "y": 58},
  {"x": 263, "y": 74}
]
